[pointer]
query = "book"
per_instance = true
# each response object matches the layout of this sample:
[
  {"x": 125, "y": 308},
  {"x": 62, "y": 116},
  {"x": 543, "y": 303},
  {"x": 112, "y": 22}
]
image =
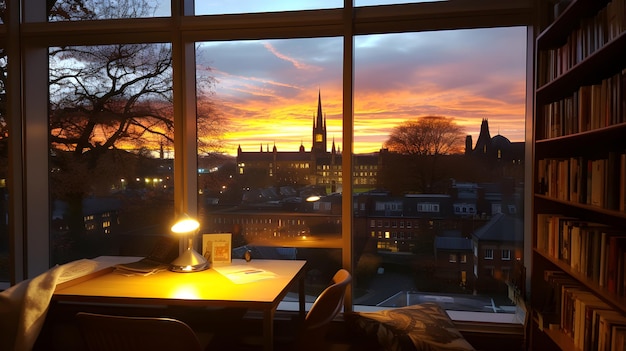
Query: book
[
  {"x": 598, "y": 182},
  {"x": 616, "y": 248},
  {"x": 622, "y": 182},
  {"x": 618, "y": 338},
  {"x": 606, "y": 320},
  {"x": 164, "y": 251},
  {"x": 585, "y": 302}
]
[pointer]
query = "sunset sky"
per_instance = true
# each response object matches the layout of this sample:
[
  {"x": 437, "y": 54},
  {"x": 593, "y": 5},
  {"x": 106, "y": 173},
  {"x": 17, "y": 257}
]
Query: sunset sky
[
  {"x": 268, "y": 89},
  {"x": 241, "y": 6}
]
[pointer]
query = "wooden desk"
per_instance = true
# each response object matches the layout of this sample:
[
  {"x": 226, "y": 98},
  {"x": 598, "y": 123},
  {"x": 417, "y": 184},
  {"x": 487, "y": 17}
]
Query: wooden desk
[{"x": 206, "y": 288}]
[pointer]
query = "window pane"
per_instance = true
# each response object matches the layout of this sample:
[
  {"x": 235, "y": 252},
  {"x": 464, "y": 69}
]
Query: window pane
[
  {"x": 454, "y": 192},
  {"x": 268, "y": 113},
  {"x": 389, "y": 2},
  {"x": 4, "y": 165},
  {"x": 111, "y": 125},
  {"x": 252, "y": 6},
  {"x": 67, "y": 10}
]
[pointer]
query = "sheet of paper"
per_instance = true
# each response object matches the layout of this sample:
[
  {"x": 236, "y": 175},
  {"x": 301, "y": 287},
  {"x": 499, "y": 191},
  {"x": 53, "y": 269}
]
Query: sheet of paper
[
  {"x": 241, "y": 274},
  {"x": 82, "y": 267}
]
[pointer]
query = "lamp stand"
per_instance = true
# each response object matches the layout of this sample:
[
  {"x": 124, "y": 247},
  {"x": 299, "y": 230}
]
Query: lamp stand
[{"x": 189, "y": 260}]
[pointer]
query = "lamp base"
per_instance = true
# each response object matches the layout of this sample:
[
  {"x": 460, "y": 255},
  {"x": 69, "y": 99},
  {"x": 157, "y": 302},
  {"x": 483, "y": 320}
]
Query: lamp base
[{"x": 189, "y": 261}]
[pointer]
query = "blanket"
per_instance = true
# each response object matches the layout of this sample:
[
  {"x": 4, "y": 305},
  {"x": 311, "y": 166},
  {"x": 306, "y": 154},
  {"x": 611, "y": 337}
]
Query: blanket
[{"x": 23, "y": 309}]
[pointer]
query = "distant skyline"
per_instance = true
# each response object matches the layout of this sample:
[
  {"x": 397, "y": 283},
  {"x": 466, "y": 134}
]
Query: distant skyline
[{"x": 268, "y": 89}]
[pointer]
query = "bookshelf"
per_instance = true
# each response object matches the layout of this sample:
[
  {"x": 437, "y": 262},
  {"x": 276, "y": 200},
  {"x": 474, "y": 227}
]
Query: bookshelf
[{"x": 578, "y": 298}]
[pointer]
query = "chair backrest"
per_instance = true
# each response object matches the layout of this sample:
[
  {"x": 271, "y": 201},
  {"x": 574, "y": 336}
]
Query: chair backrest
[
  {"x": 121, "y": 333},
  {"x": 325, "y": 308}
]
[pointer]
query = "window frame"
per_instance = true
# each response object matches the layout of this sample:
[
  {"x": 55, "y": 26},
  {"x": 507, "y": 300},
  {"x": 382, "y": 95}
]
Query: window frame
[
  {"x": 488, "y": 254},
  {"x": 506, "y": 257}
]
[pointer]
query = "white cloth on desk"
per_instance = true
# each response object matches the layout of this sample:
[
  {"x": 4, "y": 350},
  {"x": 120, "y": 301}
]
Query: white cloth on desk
[{"x": 23, "y": 309}]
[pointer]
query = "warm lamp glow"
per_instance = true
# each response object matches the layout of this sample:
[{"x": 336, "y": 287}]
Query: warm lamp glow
[
  {"x": 189, "y": 260},
  {"x": 185, "y": 225},
  {"x": 186, "y": 291}
]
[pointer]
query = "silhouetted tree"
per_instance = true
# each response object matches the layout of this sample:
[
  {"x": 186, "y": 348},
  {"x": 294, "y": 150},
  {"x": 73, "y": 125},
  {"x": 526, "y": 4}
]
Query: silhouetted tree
[
  {"x": 429, "y": 135},
  {"x": 416, "y": 147}
]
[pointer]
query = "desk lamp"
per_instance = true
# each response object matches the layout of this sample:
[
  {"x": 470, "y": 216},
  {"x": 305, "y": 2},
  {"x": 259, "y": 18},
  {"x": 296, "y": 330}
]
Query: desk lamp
[{"x": 189, "y": 260}]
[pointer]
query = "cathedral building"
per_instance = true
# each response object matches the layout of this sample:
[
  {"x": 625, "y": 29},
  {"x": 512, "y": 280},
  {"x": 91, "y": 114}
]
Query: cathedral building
[
  {"x": 322, "y": 168},
  {"x": 316, "y": 167},
  {"x": 496, "y": 149}
]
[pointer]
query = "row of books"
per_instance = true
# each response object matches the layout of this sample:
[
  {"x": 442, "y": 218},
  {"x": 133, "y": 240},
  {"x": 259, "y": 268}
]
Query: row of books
[
  {"x": 589, "y": 321},
  {"x": 598, "y": 182},
  {"x": 590, "y": 107},
  {"x": 592, "y": 34},
  {"x": 591, "y": 250}
]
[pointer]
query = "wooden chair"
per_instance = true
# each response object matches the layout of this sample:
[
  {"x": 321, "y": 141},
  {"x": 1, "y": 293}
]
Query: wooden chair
[{"x": 121, "y": 333}]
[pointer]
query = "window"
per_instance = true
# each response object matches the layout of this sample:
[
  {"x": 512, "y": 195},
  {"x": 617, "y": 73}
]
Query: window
[
  {"x": 489, "y": 254},
  {"x": 426, "y": 207},
  {"x": 437, "y": 196},
  {"x": 66, "y": 10},
  {"x": 254, "y": 111},
  {"x": 464, "y": 208},
  {"x": 251, "y": 6},
  {"x": 4, "y": 173},
  {"x": 506, "y": 255},
  {"x": 109, "y": 105}
]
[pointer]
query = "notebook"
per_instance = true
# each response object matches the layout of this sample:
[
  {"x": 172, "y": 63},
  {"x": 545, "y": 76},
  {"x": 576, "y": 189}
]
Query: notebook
[{"x": 164, "y": 251}]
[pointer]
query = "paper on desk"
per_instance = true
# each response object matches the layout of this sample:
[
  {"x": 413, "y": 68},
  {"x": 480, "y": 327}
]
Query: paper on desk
[
  {"x": 241, "y": 274},
  {"x": 82, "y": 267}
]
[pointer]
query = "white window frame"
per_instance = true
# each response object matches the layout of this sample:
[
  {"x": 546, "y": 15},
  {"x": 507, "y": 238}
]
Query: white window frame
[
  {"x": 488, "y": 254},
  {"x": 506, "y": 255}
]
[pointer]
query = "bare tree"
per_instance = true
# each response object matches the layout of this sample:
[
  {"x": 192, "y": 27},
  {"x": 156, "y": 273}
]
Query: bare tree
[
  {"x": 70, "y": 10},
  {"x": 429, "y": 135},
  {"x": 111, "y": 113},
  {"x": 105, "y": 97}
]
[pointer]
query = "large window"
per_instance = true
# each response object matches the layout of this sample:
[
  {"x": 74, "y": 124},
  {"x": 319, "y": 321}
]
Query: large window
[
  {"x": 433, "y": 109},
  {"x": 111, "y": 129},
  {"x": 278, "y": 129},
  {"x": 4, "y": 171},
  {"x": 270, "y": 171}
]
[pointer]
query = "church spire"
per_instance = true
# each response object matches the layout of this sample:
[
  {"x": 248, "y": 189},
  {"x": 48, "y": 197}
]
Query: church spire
[{"x": 319, "y": 128}]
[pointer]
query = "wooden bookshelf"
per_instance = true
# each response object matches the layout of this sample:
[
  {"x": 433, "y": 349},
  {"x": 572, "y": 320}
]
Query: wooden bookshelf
[{"x": 579, "y": 186}]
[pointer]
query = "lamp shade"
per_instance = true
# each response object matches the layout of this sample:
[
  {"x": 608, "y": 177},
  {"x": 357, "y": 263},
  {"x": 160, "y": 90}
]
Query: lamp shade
[{"x": 185, "y": 225}]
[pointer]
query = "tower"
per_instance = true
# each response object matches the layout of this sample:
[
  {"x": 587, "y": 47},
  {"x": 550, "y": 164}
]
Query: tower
[
  {"x": 484, "y": 139},
  {"x": 319, "y": 129}
]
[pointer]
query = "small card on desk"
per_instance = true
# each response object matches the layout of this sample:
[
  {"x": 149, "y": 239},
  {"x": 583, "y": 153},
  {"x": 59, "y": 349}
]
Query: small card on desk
[{"x": 216, "y": 248}]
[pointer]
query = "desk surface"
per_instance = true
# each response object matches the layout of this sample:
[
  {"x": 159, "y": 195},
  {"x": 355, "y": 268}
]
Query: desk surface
[{"x": 204, "y": 288}]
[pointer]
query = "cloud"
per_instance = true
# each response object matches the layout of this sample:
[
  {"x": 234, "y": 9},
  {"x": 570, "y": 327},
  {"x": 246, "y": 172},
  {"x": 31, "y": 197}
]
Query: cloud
[
  {"x": 269, "y": 88},
  {"x": 296, "y": 63}
]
